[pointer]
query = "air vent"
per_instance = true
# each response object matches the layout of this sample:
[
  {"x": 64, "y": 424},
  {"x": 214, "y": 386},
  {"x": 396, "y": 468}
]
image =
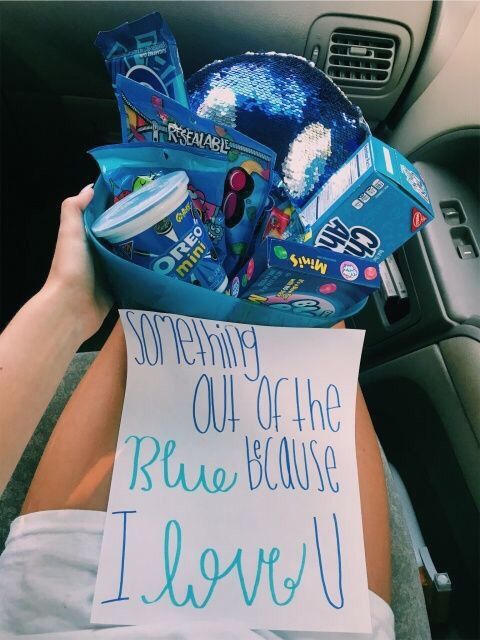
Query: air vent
[{"x": 360, "y": 59}]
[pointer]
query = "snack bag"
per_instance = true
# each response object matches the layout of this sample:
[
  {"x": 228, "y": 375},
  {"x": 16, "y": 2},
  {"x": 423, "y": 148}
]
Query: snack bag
[
  {"x": 145, "y": 51},
  {"x": 148, "y": 116},
  {"x": 307, "y": 281},
  {"x": 127, "y": 167}
]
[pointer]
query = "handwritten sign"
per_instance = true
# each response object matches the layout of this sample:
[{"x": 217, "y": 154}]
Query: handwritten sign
[{"x": 235, "y": 491}]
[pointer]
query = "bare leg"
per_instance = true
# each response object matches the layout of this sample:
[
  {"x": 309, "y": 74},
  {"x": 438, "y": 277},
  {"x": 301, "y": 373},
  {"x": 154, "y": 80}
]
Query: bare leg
[
  {"x": 373, "y": 499},
  {"x": 374, "y": 502},
  {"x": 76, "y": 468}
]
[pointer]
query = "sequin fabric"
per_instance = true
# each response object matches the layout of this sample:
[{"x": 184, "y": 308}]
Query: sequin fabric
[{"x": 286, "y": 103}]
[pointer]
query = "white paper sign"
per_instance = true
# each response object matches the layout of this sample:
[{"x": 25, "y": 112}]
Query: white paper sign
[{"x": 235, "y": 491}]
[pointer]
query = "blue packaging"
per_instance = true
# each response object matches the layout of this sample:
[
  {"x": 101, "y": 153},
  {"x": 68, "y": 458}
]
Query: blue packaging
[
  {"x": 145, "y": 51},
  {"x": 127, "y": 167},
  {"x": 374, "y": 203},
  {"x": 156, "y": 227},
  {"x": 307, "y": 281},
  {"x": 148, "y": 116}
]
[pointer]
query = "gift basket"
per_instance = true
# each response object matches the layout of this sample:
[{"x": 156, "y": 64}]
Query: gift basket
[{"x": 254, "y": 192}]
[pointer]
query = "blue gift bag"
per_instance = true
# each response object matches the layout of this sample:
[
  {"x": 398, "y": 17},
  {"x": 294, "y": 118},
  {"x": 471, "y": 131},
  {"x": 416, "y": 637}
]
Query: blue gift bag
[{"x": 135, "y": 287}]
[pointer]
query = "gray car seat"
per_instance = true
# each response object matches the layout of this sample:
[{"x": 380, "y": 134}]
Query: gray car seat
[{"x": 408, "y": 604}]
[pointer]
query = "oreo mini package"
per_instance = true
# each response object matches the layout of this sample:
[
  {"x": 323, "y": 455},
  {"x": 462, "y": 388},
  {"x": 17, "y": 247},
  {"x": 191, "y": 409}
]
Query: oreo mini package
[
  {"x": 128, "y": 167},
  {"x": 145, "y": 51},
  {"x": 371, "y": 206},
  {"x": 310, "y": 281},
  {"x": 148, "y": 116}
]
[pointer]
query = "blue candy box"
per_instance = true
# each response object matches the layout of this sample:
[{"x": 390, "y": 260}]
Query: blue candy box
[
  {"x": 306, "y": 282},
  {"x": 371, "y": 206}
]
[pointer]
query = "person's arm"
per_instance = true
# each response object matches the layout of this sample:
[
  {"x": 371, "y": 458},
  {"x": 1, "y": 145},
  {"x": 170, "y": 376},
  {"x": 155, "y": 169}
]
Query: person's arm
[{"x": 39, "y": 343}]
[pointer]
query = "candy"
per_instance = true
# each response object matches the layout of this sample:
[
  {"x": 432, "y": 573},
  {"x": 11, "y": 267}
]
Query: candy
[
  {"x": 239, "y": 186},
  {"x": 251, "y": 166},
  {"x": 370, "y": 273},
  {"x": 331, "y": 287},
  {"x": 280, "y": 252}
]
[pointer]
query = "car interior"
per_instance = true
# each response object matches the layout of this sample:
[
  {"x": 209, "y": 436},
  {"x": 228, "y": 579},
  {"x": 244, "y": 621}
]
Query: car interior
[{"x": 414, "y": 70}]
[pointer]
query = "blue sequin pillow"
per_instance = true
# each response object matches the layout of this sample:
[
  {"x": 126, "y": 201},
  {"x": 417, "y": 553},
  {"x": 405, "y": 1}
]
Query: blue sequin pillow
[{"x": 286, "y": 103}]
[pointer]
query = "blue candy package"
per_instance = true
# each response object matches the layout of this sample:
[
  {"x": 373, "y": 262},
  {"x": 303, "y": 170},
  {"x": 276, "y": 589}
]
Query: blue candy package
[
  {"x": 127, "y": 167},
  {"x": 145, "y": 51},
  {"x": 306, "y": 281},
  {"x": 148, "y": 116}
]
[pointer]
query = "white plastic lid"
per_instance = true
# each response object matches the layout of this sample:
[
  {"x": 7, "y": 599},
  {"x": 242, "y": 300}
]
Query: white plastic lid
[{"x": 143, "y": 208}]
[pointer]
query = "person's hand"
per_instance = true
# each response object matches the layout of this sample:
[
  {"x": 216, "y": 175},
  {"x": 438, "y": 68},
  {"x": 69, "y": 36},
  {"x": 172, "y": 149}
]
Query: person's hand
[{"x": 72, "y": 279}]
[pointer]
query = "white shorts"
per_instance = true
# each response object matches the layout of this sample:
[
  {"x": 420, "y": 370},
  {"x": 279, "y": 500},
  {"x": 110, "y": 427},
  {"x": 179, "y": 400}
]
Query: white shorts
[{"x": 47, "y": 580}]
